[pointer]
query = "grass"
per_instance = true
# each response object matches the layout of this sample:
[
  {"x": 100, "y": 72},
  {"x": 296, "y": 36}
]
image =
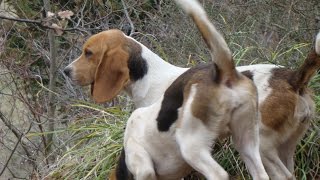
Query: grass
[{"x": 95, "y": 144}]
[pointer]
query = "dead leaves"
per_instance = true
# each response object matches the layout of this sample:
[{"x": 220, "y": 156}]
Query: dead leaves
[
  {"x": 58, "y": 22},
  {"x": 65, "y": 14}
]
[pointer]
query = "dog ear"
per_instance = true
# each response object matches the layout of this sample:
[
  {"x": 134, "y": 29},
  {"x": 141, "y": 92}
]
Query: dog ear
[{"x": 111, "y": 76}]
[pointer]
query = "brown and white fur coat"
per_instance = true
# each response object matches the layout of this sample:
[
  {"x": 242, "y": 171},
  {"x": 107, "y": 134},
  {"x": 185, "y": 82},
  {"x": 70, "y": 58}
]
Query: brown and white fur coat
[
  {"x": 112, "y": 61},
  {"x": 169, "y": 138}
]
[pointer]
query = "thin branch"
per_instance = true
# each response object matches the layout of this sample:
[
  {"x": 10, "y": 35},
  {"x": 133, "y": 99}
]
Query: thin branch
[
  {"x": 42, "y": 24},
  {"x": 128, "y": 17},
  {"x": 12, "y": 152},
  {"x": 21, "y": 20},
  {"x": 15, "y": 131},
  {"x": 52, "y": 85}
]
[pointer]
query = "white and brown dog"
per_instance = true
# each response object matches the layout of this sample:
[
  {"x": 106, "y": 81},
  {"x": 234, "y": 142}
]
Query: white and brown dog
[
  {"x": 112, "y": 61},
  {"x": 169, "y": 138}
]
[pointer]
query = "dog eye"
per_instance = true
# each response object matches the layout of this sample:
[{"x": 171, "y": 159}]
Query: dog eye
[{"x": 88, "y": 53}]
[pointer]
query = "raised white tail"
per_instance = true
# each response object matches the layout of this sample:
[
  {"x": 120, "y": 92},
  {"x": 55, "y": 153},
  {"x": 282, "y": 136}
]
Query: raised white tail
[{"x": 219, "y": 49}]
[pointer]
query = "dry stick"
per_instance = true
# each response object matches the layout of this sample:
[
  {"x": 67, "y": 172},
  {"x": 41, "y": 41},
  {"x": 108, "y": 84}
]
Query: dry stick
[
  {"x": 13, "y": 151},
  {"x": 52, "y": 85},
  {"x": 128, "y": 17},
  {"x": 15, "y": 131},
  {"x": 42, "y": 24}
]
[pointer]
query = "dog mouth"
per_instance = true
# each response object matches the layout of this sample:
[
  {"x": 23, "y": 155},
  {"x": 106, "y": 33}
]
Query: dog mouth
[
  {"x": 74, "y": 81},
  {"x": 79, "y": 81}
]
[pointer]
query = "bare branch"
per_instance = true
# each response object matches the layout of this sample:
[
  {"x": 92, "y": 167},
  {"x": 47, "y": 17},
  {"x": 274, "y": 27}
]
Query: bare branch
[
  {"x": 42, "y": 24},
  {"x": 15, "y": 131},
  {"x": 52, "y": 83},
  {"x": 128, "y": 17},
  {"x": 13, "y": 151}
]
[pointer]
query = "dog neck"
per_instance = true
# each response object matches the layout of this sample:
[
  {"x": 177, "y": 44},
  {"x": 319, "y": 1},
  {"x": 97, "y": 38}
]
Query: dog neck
[{"x": 152, "y": 85}]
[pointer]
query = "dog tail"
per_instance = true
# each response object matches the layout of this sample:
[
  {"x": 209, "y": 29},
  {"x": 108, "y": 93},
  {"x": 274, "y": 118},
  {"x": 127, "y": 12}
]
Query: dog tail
[
  {"x": 308, "y": 69},
  {"x": 219, "y": 50}
]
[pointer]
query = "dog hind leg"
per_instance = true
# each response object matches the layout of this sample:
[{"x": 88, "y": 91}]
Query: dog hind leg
[
  {"x": 195, "y": 149},
  {"x": 195, "y": 139},
  {"x": 245, "y": 134},
  {"x": 286, "y": 149},
  {"x": 274, "y": 166},
  {"x": 286, "y": 153},
  {"x": 138, "y": 161}
]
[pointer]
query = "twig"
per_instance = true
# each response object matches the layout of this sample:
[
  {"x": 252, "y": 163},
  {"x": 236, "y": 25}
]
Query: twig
[
  {"x": 128, "y": 17},
  {"x": 53, "y": 45},
  {"x": 41, "y": 24},
  {"x": 12, "y": 152},
  {"x": 22, "y": 20},
  {"x": 15, "y": 131},
  {"x": 14, "y": 174}
]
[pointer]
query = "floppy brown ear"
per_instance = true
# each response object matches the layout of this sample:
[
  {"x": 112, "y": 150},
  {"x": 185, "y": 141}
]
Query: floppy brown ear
[{"x": 111, "y": 76}]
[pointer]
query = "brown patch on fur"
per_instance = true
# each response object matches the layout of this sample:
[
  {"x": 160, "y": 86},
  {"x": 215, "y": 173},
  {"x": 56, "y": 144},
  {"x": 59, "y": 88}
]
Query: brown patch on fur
[
  {"x": 207, "y": 99},
  {"x": 277, "y": 109},
  {"x": 287, "y": 85},
  {"x": 248, "y": 74},
  {"x": 177, "y": 93},
  {"x": 302, "y": 76},
  {"x": 280, "y": 104},
  {"x": 207, "y": 88},
  {"x": 204, "y": 99},
  {"x": 207, "y": 103}
]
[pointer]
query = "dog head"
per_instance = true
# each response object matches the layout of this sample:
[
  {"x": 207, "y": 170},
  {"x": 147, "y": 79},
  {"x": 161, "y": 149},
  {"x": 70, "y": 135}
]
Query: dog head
[{"x": 105, "y": 64}]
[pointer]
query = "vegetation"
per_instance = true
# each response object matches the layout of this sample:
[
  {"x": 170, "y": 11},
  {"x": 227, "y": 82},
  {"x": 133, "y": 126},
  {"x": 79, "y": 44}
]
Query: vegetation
[{"x": 87, "y": 137}]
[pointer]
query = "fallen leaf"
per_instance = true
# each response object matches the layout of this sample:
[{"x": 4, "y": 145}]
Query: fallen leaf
[
  {"x": 50, "y": 14},
  {"x": 57, "y": 29},
  {"x": 65, "y": 14}
]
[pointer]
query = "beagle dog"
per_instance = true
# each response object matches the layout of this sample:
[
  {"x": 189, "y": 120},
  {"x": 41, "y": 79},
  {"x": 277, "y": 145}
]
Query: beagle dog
[
  {"x": 173, "y": 136},
  {"x": 111, "y": 62}
]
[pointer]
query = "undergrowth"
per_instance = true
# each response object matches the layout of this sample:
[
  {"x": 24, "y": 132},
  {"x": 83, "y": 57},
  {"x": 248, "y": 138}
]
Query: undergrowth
[{"x": 95, "y": 144}]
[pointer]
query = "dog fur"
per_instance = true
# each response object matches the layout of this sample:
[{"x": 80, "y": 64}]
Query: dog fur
[{"x": 169, "y": 138}]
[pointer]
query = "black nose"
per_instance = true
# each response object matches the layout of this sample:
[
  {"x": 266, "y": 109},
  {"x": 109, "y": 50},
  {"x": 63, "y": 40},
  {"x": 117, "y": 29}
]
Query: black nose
[{"x": 67, "y": 71}]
